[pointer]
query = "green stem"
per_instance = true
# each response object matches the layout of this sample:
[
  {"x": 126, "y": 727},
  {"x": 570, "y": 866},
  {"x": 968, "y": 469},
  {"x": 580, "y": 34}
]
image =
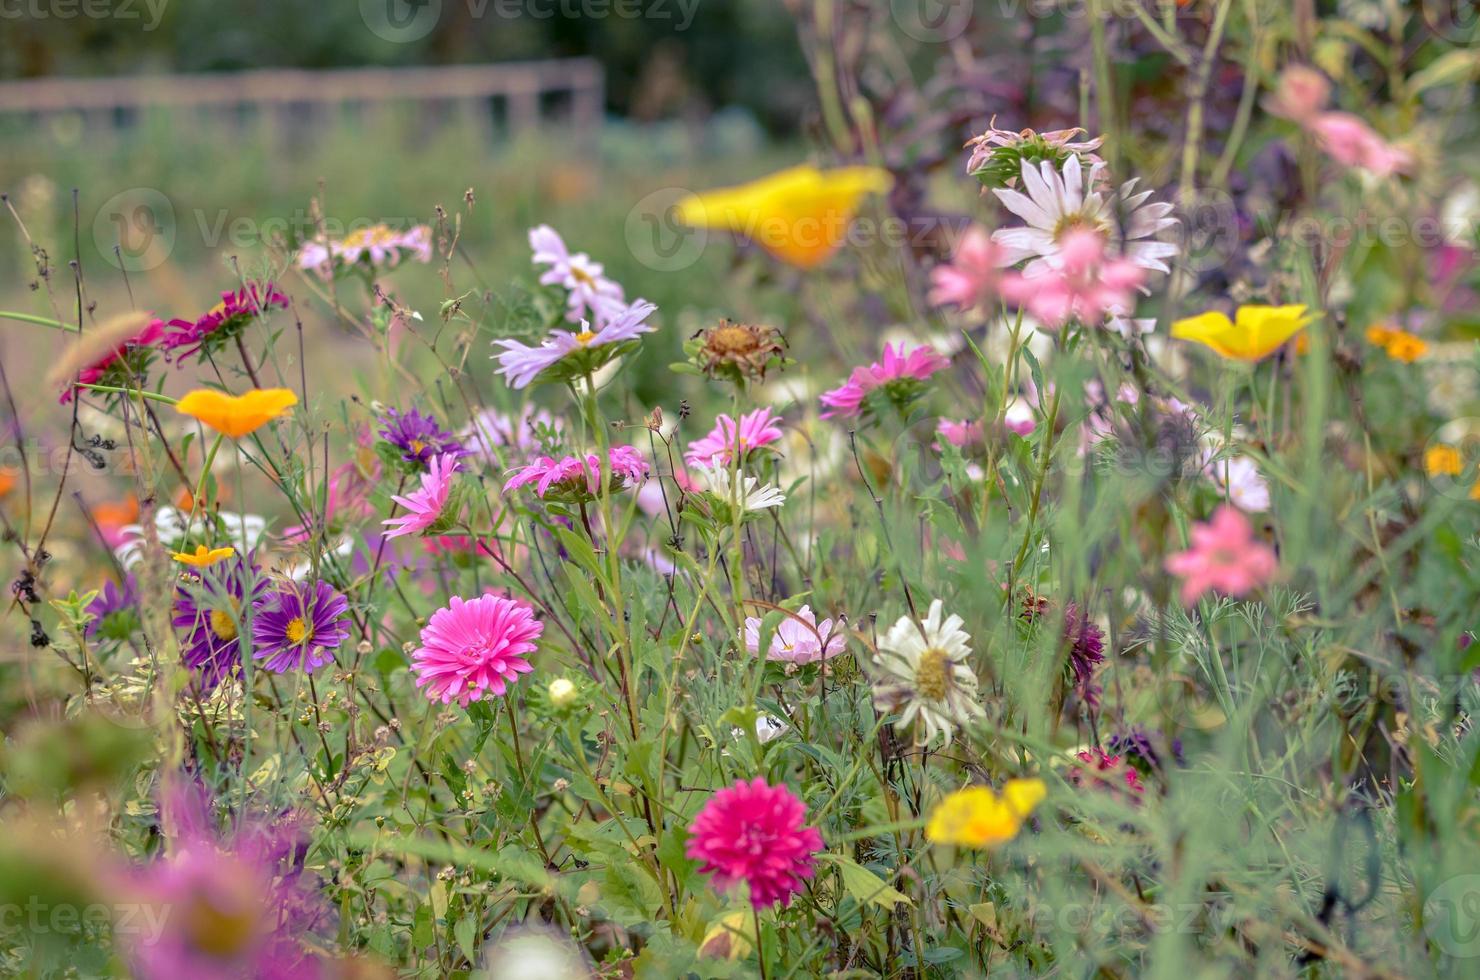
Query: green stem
[
  {"x": 137, "y": 392},
  {"x": 40, "y": 321}
]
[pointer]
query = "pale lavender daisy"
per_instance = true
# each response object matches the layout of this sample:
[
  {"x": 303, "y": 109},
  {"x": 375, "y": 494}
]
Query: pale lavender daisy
[
  {"x": 521, "y": 364},
  {"x": 590, "y": 294}
]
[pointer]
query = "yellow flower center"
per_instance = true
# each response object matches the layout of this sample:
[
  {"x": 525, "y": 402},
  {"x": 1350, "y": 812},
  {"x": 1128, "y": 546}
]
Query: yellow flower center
[
  {"x": 933, "y": 675},
  {"x": 582, "y": 276},
  {"x": 417, "y": 445},
  {"x": 298, "y": 631},
  {"x": 219, "y": 932},
  {"x": 223, "y": 625},
  {"x": 585, "y": 337},
  {"x": 1070, "y": 223}
]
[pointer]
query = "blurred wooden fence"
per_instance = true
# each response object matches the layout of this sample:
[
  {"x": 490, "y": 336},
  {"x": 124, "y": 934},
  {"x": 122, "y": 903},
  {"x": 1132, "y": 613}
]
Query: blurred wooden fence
[{"x": 497, "y": 98}]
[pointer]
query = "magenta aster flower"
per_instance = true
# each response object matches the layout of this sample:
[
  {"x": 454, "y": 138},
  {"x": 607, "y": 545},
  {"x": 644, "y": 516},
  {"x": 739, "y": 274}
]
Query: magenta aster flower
[
  {"x": 756, "y": 429},
  {"x": 563, "y": 356},
  {"x": 959, "y": 434},
  {"x": 590, "y": 295},
  {"x": 424, "y": 506},
  {"x": 476, "y": 646},
  {"x": 122, "y": 365},
  {"x": 418, "y": 436},
  {"x": 799, "y": 638},
  {"x": 299, "y": 626},
  {"x": 224, "y": 320},
  {"x": 753, "y": 833},
  {"x": 899, "y": 374},
  {"x": 579, "y": 477},
  {"x": 230, "y": 906},
  {"x": 212, "y": 613},
  {"x": 1225, "y": 557}
]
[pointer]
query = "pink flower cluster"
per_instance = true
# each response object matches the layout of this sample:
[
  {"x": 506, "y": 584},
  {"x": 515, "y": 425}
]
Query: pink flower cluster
[
  {"x": 897, "y": 365},
  {"x": 1301, "y": 97},
  {"x": 580, "y": 476},
  {"x": 754, "y": 430},
  {"x": 1086, "y": 284},
  {"x": 753, "y": 833}
]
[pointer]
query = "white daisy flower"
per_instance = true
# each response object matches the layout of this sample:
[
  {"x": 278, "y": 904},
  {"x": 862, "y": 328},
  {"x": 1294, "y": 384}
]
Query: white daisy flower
[
  {"x": 739, "y": 490},
  {"x": 924, "y": 676},
  {"x": 1056, "y": 204}
]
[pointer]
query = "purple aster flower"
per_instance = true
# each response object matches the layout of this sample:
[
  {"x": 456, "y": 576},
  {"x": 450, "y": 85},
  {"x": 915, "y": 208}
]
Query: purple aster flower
[
  {"x": 226, "y": 905},
  {"x": 113, "y": 609},
  {"x": 299, "y": 626},
  {"x": 587, "y": 351},
  {"x": 418, "y": 436},
  {"x": 1086, "y": 643},
  {"x": 211, "y": 613}
]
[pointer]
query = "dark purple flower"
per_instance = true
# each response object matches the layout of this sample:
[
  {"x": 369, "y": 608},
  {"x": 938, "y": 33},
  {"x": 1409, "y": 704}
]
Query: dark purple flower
[
  {"x": 107, "y": 606},
  {"x": 235, "y": 905},
  {"x": 212, "y": 613},
  {"x": 419, "y": 437},
  {"x": 1140, "y": 747},
  {"x": 1086, "y": 643},
  {"x": 299, "y": 626}
]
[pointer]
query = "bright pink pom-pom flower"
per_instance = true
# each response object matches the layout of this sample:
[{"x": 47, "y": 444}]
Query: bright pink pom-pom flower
[
  {"x": 753, "y": 833},
  {"x": 475, "y": 646}
]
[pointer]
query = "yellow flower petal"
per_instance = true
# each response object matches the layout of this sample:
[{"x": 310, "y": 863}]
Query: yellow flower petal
[
  {"x": 800, "y": 215},
  {"x": 978, "y": 817},
  {"x": 203, "y": 556},
  {"x": 1256, "y": 332},
  {"x": 236, "y": 415}
]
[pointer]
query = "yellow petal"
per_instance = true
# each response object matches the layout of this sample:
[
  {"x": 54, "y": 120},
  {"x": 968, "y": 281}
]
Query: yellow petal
[
  {"x": 1212, "y": 328},
  {"x": 801, "y": 215},
  {"x": 1265, "y": 329},
  {"x": 203, "y": 556},
  {"x": 236, "y": 415},
  {"x": 1022, "y": 795}
]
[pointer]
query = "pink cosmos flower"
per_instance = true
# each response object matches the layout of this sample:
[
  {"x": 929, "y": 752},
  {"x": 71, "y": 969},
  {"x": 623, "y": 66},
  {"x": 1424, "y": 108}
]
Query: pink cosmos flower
[
  {"x": 580, "y": 476},
  {"x": 1224, "y": 557},
  {"x": 971, "y": 279},
  {"x": 424, "y": 506},
  {"x": 475, "y": 646},
  {"x": 896, "y": 366},
  {"x": 756, "y": 429},
  {"x": 1351, "y": 142},
  {"x": 521, "y": 364},
  {"x": 753, "y": 833},
  {"x": 1086, "y": 284},
  {"x": 799, "y": 638},
  {"x": 589, "y": 292}
]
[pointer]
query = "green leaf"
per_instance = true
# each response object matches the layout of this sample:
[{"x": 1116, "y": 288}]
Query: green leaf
[
  {"x": 864, "y": 885},
  {"x": 466, "y": 934}
]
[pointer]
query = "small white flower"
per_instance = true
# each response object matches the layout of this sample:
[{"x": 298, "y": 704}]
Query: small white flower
[
  {"x": 924, "y": 676},
  {"x": 739, "y": 490},
  {"x": 767, "y": 727}
]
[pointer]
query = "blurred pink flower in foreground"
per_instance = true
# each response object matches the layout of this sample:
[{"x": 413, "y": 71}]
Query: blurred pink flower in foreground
[
  {"x": 959, "y": 434},
  {"x": 475, "y": 647},
  {"x": 755, "y": 429},
  {"x": 799, "y": 638},
  {"x": 919, "y": 364},
  {"x": 1086, "y": 284},
  {"x": 753, "y": 833},
  {"x": 1225, "y": 557},
  {"x": 971, "y": 278},
  {"x": 1301, "y": 93},
  {"x": 1352, "y": 143}
]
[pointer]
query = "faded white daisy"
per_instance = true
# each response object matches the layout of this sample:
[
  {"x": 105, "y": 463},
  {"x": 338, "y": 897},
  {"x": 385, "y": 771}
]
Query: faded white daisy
[
  {"x": 738, "y": 490},
  {"x": 922, "y": 674}
]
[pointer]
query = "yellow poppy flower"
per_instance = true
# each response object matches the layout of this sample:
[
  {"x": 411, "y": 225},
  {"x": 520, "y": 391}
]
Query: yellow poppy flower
[
  {"x": 1442, "y": 460},
  {"x": 203, "y": 556},
  {"x": 236, "y": 415},
  {"x": 978, "y": 817},
  {"x": 1254, "y": 334},
  {"x": 800, "y": 215}
]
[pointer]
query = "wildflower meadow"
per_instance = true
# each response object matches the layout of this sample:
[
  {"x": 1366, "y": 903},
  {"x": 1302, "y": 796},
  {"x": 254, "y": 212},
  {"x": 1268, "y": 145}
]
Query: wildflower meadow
[{"x": 1024, "y": 520}]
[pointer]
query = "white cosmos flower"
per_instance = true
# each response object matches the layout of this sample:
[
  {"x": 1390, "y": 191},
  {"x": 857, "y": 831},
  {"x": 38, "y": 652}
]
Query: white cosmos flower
[
  {"x": 923, "y": 674},
  {"x": 173, "y": 527},
  {"x": 1056, "y": 204},
  {"x": 739, "y": 490}
]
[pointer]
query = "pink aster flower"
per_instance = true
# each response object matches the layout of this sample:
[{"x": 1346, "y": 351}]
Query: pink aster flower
[
  {"x": 896, "y": 367},
  {"x": 753, "y": 833},
  {"x": 579, "y": 477},
  {"x": 237, "y": 308},
  {"x": 121, "y": 365},
  {"x": 590, "y": 294},
  {"x": 1224, "y": 557},
  {"x": 521, "y": 364},
  {"x": 971, "y": 278},
  {"x": 799, "y": 638},
  {"x": 756, "y": 429},
  {"x": 1085, "y": 285},
  {"x": 1352, "y": 143},
  {"x": 424, "y": 506},
  {"x": 474, "y": 647},
  {"x": 959, "y": 434}
]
